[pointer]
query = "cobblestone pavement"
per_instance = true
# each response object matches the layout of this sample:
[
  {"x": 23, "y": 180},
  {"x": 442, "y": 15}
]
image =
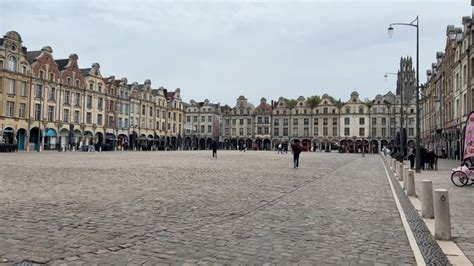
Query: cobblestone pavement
[
  {"x": 185, "y": 207},
  {"x": 460, "y": 199}
]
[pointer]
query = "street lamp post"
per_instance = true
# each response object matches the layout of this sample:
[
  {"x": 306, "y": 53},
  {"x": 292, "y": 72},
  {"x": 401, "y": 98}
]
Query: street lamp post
[
  {"x": 402, "y": 148},
  {"x": 414, "y": 23}
]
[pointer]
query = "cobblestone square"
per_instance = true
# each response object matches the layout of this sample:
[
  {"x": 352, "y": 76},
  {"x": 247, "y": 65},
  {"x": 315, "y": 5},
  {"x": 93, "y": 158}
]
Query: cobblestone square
[{"x": 185, "y": 207}]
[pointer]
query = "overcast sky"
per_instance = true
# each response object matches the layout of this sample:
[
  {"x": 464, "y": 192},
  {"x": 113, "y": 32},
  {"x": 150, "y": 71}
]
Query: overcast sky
[{"x": 222, "y": 49}]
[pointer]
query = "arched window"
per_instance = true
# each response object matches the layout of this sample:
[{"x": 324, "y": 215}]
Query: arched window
[{"x": 12, "y": 63}]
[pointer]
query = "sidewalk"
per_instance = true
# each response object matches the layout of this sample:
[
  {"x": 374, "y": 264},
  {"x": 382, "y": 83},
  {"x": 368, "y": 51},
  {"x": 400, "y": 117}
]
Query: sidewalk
[{"x": 461, "y": 200}]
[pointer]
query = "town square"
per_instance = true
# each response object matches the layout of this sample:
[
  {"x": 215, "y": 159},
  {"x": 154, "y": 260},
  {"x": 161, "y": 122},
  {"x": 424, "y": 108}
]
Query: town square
[{"x": 236, "y": 132}]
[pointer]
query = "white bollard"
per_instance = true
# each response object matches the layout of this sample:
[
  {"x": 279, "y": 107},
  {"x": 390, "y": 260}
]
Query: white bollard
[
  {"x": 100, "y": 149},
  {"x": 400, "y": 171},
  {"x": 427, "y": 210},
  {"x": 442, "y": 215},
  {"x": 410, "y": 182},
  {"x": 405, "y": 174}
]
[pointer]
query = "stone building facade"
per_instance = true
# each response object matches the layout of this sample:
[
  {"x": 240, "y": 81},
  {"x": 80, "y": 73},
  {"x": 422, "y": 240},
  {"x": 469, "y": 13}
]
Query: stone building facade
[{"x": 48, "y": 103}]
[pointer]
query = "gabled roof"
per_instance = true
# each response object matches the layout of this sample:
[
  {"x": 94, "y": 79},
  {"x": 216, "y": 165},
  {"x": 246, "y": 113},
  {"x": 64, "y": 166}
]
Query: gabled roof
[
  {"x": 32, "y": 55},
  {"x": 85, "y": 71},
  {"x": 61, "y": 63}
]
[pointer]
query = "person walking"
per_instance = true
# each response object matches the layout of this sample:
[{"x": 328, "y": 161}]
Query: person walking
[
  {"x": 296, "y": 150},
  {"x": 214, "y": 149},
  {"x": 411, "y": 157}
]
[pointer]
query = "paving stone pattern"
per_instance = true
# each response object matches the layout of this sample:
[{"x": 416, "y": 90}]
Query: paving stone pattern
[
  {"x": 460, "y": 204},
  {"x": 185, "y": 207}
]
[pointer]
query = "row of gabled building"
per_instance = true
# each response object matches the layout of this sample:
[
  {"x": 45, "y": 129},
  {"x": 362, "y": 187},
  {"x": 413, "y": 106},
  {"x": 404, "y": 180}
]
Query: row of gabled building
[
  {"x": 50, "y": 103},
  {"x": 447, "y": 98},
  {"x": 348, "y": 126}
]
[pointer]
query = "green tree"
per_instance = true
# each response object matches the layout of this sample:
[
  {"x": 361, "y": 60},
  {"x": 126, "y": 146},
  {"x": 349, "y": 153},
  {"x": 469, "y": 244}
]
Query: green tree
[
  {"x": 313, "y": 101},
  {"x": 337, "y": 103},
  {"x": 291, "y": 103}
]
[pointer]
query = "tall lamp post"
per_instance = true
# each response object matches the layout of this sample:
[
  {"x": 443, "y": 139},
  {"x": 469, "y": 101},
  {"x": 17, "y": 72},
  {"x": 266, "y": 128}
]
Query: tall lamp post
[
  {"x": 402, "y": 148},
  {"x": 414, "y": 23}
]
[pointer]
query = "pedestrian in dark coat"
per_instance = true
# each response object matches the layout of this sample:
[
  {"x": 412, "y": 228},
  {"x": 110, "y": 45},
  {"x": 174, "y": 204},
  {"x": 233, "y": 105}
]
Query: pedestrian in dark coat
[
  {"x": 296, "y": 149},
  {"x": 214, "y": 149}
]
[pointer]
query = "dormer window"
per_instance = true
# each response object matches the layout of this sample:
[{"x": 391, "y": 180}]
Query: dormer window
[
  {"x": 23, "y": 68},
  {"x": 41, "y": 74},
  {"x": 100, "y": 88},
  {"x": 348, "y": 110},
  {"x": 78, "y": 83},
  {"x": 69, "y": 81},
  {"x": 91, "y": 86},
  {"x": 51, "y": 76}
]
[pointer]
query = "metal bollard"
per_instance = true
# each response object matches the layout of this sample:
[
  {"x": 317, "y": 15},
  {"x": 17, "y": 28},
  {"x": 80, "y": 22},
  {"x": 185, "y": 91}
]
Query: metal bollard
[
  {"x": 442, "y": 215},
  {"x": 427, "y": 210},
  {"x": 405, "y": 174},
  {"x": 400, "y": 171},
  {"x": 410, "y": 182}
]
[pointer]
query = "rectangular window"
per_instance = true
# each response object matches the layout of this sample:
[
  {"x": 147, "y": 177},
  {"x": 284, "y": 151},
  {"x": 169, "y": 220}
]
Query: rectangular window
[
  {"x": 259, "y": 129},
  {"x": 266, "y": 120},
  {"x": 259, "y": 120},
  {"x": 10, "y": 108},
  {"x": 209, "y": 129},
  {"x": 384, "y": 132},
  {"x": 346, "y": 121},
  {"x": 100, "y": 104},
  {"x": 111, "y": 105},
  {"x": 249, "y": 121},
  {"x": 37, "y": 111},
  {"x": 411, "y": 131},
  {"x": 89, "y": 118},
  {"x": 11, "y": 86},
  {"x": 374, "y": 121},
  {"x": 306, "y": 121},
  {"x": 334, "y": 131},
  {"x": 22, "y": 112},
  {"x": 77, "y": 116},
  {"x": 295, "y": 132},
  {"x": 120, "y": 123},
  {"x": 39, "y": 91},
  {"x": 22, "y": 88},
  {"x": 374, "y": 132},
  {"x": 384, "y": 121},
  {"x": 334, "y": 121},
  {"x": 316, "y": 121},
  {"x": 66, "y": 116},
  {"x": 120, "y": 107},
  {"x": 241, "y": 121},
  {"x": 361, "y": 131},
  {"x": 126, "y": 123},
  {"x": 276, "y": 131},
  {"x": 52, "y": 94},
  {"x": 285, "y": 121},
  {"x": 325, "y": 121},
  {"x": 285, "y": 131},
  {"x": 295, "y": 121},
  {"x": 202, "y": 129},
  {"x": 325, "y": 131},
  {"x": 325, "y": 110},
  {"x": 306, "y": 132},
  {"x": 188, "y": 119},
  {"x": 66, "y": 97},
  {"x": 89, "y": 101},
  {"x": 241, "y": 131},
  {"x": 316, "y": 131},
  {"x": 209, "y": 119},
  {"x": 276, "y": 122},
  {"x": 99, "y": 119},
  {"x": 51, "y": 113},
  {"x": 126, "y": 109},
  {"x": 151, "y": 111},
  {"x": 78, "y": 99},
  {"x": 111, "y": 122},
  {"x": 234, "y": 132},
  {"x": 361, "y": 120},
  {"x": 346, "y": 131}
]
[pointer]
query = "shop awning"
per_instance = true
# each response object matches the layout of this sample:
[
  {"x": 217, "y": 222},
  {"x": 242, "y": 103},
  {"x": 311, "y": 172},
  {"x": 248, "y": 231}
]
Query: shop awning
[{"x": 50, "y": 132}]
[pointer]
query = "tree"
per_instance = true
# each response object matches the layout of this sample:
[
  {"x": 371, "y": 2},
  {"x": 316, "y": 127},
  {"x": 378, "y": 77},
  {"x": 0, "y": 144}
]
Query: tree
[
  {"x": 337, "y": 103},
  {"x": 313, "y": 101},
  {"x": 291, "y": 103}
]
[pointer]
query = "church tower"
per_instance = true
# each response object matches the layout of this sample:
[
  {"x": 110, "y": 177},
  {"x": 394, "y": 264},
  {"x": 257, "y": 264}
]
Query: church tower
[{"x": 406, "y": 82}]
